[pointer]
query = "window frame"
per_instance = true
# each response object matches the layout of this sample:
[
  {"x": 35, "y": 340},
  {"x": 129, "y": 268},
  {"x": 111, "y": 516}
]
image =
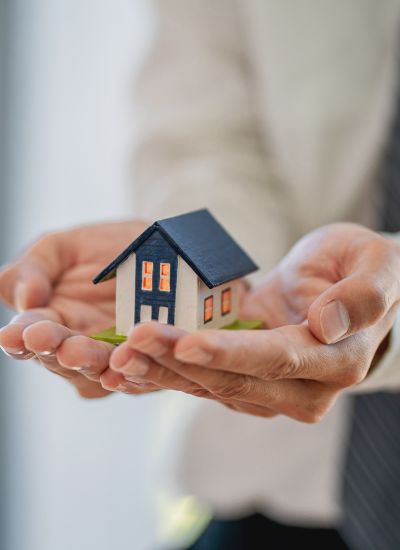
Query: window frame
[
  {"x": 207, "y": 299},
  {"x": 165, "y": 277},
  {"x": 147, "y": 275},
  {"x": 226, "y": 291}
]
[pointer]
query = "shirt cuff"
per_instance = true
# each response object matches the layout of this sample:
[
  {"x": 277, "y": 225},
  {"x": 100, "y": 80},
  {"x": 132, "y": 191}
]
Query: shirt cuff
[{"x": 386, "y": 374}]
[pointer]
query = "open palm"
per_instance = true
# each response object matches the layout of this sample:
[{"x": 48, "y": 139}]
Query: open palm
[
  {"x": 51, "y": 285},
  {"x": 343, "y": 263}
]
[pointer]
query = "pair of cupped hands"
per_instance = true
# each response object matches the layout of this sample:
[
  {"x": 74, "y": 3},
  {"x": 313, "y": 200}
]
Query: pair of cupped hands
[{"x": 328, "y": 308}]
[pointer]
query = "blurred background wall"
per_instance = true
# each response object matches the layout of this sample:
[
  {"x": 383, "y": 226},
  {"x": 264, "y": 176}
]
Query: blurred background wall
[{"x": 73, "y": 471}]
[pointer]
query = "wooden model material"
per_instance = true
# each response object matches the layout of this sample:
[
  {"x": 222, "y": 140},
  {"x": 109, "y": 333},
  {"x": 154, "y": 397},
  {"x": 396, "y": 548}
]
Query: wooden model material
[{"x": 182, "y": 271}]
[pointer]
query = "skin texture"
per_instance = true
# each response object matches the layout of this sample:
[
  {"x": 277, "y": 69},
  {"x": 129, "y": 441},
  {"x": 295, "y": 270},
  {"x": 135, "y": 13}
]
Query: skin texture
[
  {"x": 50, "y": 285},
  {"x": 294, "y": 368}
]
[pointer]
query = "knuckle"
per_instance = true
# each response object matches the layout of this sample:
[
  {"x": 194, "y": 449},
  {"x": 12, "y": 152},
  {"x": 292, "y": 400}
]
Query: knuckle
[
  {"x": 354, "y": 363},
  {"x": 87, "y": 389},
  {"x": 90, "y": 373},
  {"x": 315, "y": 407},
  {"x": 377, "y": 297},
  {"x": 287, "y": 362},
  {"x": 293, "y": 362},
  {"x": 311, "y": 414},
  {"x": 87, "y": 393},
  {"x": 84, "y": 392},
  {"x": 198, "y": 392},
  {"x": 352, "y": 375},
  {"x": 234, "y": 388},
  {"x": 309, "y": 417}
]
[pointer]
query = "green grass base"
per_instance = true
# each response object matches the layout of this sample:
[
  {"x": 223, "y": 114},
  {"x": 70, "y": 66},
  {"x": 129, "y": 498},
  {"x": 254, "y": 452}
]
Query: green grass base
[
  {"x": 241, "y": 324},
  {"x": 111, "y": 337}
]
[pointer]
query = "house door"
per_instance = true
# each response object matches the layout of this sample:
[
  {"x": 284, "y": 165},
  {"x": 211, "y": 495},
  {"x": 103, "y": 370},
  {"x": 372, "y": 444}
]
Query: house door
[
  {"x": 156, "y": 271},
  {"x": 146, "y": 313}
]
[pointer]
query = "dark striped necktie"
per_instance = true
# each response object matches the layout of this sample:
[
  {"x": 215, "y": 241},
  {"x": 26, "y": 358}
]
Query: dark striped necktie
[{"x": 371, "y": 496}]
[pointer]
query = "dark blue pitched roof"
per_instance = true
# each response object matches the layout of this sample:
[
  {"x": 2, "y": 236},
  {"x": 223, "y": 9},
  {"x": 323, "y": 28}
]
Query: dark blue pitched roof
[{"x": 202, "y": 242}]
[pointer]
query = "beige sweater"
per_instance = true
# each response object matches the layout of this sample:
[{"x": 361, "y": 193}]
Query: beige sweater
[{"x": 273, "y": 114}]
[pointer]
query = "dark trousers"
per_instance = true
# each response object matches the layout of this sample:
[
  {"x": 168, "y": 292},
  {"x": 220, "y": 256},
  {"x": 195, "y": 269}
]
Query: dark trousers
[{"x": 259, "y": 533}]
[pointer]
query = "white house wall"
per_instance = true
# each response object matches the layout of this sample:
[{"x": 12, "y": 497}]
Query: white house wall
[
  {"x": 218, "y": 320},
  {"x": 125, "y": 295},
  {"x": 186, "y": 297}
]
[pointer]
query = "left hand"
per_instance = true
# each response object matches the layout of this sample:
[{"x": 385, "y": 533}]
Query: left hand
[
  {"x": 329, "y": 305},
  {"x": 50, "y": 285}
]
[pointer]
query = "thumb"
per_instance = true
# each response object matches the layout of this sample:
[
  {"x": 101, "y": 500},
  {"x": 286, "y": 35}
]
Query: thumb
[
  {"x": 25, "y": 285},
  {"x": 351, "y": 305}
]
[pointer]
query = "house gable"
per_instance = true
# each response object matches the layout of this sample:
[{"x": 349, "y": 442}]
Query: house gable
[{"x": 154, "y": 253}]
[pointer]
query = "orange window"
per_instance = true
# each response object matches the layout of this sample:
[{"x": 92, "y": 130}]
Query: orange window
[
  {"x": 208, "y": 308},
  {"x": 226, "y": 301},
  {"x": 147, "y": 276},
  {"x": 165, "y": 270}
]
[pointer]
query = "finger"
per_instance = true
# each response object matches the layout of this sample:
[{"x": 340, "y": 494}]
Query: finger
[
  {"x": 27, "y": 283},
  {"x": 88, "y": 389},
  {"x": 141, "y": 369},
  {"x": 150, "y": 374},
  {"x": 143, "y": 358},
  {"x": 264, "y": 354},
  {"x": 306, "y": 401},
  {"x": 116, "y": 382},
  {"x": 49, "y": 341},
  {"x": 286, "y": 353},
  {"x": 150, "y": 342},
  {"x": 156, "y": 343},
  {"x": 74, "y": 351},
  {"x": 11, "y": 336},
  {"x": 85, "y": 387},
  {"x": 369, "y": 290},
  {"x": 44, "y": 339},
  {"x": 32, "y": 334},
  {"x": 91, "y": 358},
  {"x": 155, "y": 340}
]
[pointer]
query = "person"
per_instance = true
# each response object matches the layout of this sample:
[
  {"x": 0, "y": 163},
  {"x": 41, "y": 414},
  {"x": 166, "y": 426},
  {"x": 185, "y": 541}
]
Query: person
[{"x": 275, "y": 115}]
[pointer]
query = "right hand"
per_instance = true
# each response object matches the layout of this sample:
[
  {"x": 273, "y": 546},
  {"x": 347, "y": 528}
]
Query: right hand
[{"x": 51, "y": 287}]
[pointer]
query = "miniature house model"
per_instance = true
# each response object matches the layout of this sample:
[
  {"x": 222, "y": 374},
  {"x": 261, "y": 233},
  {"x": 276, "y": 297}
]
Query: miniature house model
[{"x": 182, "y": 271}]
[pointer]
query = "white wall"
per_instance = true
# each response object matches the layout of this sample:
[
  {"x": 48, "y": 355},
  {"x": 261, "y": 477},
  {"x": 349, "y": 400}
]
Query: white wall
[
  {"x": 76, "y": 469},
  {"x": 218, "y": 319},
  {"x": 186, "y": 297},
  {"x": 126, "y": 293}
]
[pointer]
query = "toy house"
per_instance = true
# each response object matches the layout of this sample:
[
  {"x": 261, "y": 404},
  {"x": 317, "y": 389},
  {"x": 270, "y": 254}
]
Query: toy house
[{"x": 182, "y": 271}]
